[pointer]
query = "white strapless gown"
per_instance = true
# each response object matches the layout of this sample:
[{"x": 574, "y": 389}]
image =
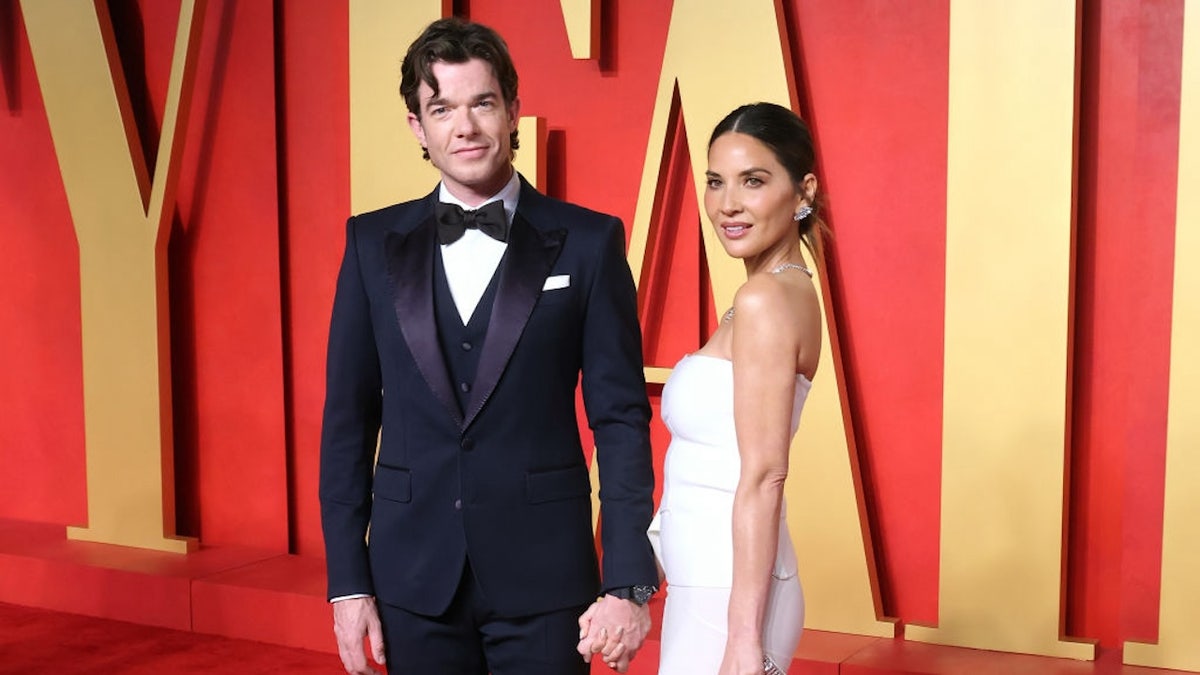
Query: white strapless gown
[{"x": 692, "y": 532}]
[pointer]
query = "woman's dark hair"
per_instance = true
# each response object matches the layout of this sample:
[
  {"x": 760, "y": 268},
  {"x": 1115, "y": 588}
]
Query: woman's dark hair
[
  {"x": 453, "y": 40},
  {"x": 788, "y": 138}
]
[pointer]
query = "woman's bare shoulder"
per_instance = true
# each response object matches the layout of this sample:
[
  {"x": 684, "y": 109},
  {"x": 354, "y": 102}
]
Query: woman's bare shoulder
[{"x": 769, "y": 298}]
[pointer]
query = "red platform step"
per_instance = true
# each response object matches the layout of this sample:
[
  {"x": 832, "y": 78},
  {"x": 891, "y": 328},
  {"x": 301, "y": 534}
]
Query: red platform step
[
  {"x": 40, "y": 567},
  {"x": 280, "y": 599}
]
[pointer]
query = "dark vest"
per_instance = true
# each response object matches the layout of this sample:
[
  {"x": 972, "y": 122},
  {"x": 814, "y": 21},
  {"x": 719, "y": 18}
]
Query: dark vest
[{"x": 461, "y": 345}]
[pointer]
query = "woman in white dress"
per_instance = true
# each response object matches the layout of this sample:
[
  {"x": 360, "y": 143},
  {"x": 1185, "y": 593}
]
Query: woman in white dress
[{"x": 734, "y": 602}]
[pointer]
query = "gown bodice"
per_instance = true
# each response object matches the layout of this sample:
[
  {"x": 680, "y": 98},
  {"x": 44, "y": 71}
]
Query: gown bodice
[{"x": 701, "y": 474}]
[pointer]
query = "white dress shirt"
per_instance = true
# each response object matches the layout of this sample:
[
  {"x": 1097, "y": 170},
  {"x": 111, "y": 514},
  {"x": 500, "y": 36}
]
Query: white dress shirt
[{"x": 471, "y": 261}]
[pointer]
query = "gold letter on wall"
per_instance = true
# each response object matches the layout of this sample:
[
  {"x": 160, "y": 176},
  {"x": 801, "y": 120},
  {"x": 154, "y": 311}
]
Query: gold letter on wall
[
  {"x": 583, "y": 26},
  {"x": 1008, "y": 288},
  {"x": 709, "y": 45},
  {"x": 1179, "y": 608},
  {"x": 385, "y": 160},
  {"x": 121, "y": 220}
]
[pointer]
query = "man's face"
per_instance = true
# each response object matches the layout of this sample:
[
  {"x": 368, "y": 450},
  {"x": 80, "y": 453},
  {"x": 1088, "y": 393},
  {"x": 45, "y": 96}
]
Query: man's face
[{"x": 466, "y": 128}]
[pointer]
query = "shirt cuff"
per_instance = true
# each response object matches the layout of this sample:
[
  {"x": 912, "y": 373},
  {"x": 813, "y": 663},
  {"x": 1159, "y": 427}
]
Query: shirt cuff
[{"x": 349, "y": 597}]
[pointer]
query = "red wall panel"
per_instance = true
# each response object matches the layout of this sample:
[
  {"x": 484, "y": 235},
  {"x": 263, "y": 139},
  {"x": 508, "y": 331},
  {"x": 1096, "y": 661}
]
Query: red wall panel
[
  {"x": 42, "y": 473},
  {"x": 874, "y": 82},
  {"x": 1129, "y": 142},
  {"x": 226, "y": 279},
  {"x": 315, "y": 201}
]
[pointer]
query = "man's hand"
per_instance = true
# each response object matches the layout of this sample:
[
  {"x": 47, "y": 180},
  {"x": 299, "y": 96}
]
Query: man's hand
[
  {"x": 615, "y": 629},
  {"x": 352, "y": 619}
]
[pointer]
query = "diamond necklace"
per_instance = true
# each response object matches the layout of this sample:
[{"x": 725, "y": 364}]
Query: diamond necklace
[{"x": 781, "y": 267}]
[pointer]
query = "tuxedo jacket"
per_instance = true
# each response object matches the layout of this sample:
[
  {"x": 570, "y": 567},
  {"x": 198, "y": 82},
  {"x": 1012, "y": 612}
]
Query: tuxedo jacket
[{"x": 503, "y": 480}]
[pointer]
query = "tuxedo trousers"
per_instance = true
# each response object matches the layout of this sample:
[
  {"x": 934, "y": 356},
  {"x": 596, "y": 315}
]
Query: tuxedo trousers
[{"x": 470, "y": 639}]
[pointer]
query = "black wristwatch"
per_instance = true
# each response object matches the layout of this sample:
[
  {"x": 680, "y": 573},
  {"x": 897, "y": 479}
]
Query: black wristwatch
[{"x": 640, "y": 595}]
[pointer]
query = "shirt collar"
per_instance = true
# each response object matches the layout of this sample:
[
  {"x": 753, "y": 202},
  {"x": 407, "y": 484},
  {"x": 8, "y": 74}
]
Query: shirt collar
[{"x": 508, "y": 194}]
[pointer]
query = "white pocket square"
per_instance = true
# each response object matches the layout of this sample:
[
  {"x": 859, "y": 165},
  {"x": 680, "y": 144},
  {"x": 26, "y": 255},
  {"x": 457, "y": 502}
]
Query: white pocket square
[{"x": 557, "y": 281}]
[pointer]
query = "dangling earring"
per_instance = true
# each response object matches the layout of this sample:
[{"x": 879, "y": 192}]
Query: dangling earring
[{"x": 804, "y": 212}]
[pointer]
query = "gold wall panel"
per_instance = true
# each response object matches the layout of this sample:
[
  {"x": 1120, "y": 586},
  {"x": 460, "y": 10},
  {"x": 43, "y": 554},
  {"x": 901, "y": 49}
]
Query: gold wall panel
[
  {"x": 1009, "y": 227},
  {"x": 121, "y": 216}
]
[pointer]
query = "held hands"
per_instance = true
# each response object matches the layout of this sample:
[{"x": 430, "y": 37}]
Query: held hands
[
  {"x": 352, "y": 619},
  {"x": 615, "y": 629}
]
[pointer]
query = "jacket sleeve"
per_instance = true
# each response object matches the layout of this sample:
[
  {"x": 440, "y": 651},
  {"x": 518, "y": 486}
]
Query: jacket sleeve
[
  {"x": 350, "y": 429},
  {"x": 618, "y": 411}
]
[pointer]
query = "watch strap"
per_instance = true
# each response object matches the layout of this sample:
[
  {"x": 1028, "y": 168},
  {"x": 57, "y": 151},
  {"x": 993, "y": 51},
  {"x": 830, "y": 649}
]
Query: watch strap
[{"x": 639, "y": 594}]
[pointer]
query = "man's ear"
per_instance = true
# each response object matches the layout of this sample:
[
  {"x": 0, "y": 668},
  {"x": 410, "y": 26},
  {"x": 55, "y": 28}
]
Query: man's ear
[
  {"x": 514, "y": 114},
  {"x": 414, "y": 123}
]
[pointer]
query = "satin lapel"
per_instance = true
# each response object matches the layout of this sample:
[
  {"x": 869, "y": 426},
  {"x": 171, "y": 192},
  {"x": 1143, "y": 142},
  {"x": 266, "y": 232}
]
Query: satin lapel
[
  {"x": 530, "y": 257},
  {"x": 410, "y": 278}
]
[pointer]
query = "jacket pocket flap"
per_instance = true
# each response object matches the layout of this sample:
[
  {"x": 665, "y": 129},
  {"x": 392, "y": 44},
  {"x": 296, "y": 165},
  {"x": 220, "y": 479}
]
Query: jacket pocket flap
[
  {"x": 549, "y": 486},
  {"x": 393, "y": 484}
]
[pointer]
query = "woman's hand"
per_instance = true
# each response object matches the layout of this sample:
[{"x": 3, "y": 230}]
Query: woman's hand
[{"x": 742, "y": 658}]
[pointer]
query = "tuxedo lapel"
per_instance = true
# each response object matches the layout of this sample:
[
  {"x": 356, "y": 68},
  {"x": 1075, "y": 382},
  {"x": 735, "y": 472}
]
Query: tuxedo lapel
[
  {"x": 530, "y": 257},
  {"x": 410, "y": 278}
]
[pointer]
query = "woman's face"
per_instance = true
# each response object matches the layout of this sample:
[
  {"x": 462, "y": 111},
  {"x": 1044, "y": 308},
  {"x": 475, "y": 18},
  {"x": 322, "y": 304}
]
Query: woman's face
[{"x": 750, "y": 198}]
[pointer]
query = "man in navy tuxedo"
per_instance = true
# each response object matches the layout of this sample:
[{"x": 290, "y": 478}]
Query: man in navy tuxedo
[{"x": 462, "y": 324}]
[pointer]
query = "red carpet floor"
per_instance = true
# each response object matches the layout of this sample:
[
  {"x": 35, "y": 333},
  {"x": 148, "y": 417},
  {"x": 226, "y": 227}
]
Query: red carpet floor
[{"x": 41, "y": 641}]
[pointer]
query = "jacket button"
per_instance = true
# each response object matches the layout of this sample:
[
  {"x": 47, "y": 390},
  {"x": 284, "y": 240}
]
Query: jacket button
[
  {"x": 468, "y": 444},
  {"x": 458, "y": 505},
  {"x": 464, "y": 387}
]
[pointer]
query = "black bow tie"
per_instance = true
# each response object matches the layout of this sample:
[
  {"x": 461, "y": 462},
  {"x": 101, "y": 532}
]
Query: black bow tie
[{"x": 453, "y": 221}]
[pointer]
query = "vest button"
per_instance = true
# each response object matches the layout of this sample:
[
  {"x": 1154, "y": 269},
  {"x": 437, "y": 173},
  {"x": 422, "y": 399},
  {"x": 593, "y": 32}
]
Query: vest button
[
  {"x": 466, "y": 346},
  {"x": 458, "y": 505},
  {"x": 464, "y": 387}
]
